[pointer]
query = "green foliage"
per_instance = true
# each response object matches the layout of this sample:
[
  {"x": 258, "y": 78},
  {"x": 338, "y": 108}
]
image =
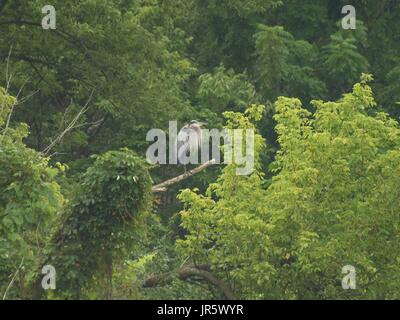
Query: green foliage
[
  {"x": 241, "y": 8},
  {"x": 324, "y": 199},
  {"x": 221, "y": 232},
  {"x": 285, "y": 66},
  {"x": 224, "y": 90},
  {"x": 391, "y": 93},
  {"x": 331, "y": 203},
  {"x": 324, "y": 190},
  {"x": 99, "y": 49},
  {"x": 103, "y": 223},
  {"x": 30, "y": 198},
  {"x": 306, "y": 19},
  {"x": 343, "y": 61}
]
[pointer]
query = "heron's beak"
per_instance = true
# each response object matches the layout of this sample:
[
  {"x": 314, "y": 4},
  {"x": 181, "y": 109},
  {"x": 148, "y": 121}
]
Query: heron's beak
[{"x": 201, "y": 123}]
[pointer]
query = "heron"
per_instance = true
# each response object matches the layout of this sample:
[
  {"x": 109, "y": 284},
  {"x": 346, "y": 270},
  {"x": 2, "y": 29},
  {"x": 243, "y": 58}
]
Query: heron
[{"x": 189, "y": 141}]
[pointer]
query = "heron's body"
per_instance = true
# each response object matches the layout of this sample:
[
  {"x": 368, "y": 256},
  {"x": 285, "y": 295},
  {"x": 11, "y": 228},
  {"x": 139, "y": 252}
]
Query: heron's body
[{"x": 189, "y": 141}]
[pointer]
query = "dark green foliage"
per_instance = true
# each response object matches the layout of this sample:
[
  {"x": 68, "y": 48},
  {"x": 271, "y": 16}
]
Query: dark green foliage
[
  {"x": 286, "y": 66},
  {"x": 224, "y": 90},
  {"x": 100, "y": 49},
  {"x": 122, "y": 67},
  {"x": 111, "y": 203}
]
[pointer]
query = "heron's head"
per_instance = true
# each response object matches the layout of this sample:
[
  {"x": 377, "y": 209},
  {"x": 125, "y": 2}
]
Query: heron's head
[{"x": 196, "y": 123}]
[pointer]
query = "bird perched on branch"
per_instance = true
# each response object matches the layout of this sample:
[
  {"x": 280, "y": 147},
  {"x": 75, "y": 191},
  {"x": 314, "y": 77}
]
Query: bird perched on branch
[{"x": 189, "y": 141}]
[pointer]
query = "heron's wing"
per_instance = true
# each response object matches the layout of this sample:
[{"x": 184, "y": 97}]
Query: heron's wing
[{"x": 182, "y": 143}]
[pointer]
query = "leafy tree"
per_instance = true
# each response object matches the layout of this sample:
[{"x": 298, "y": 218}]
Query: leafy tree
[
  {"x": 323, "y": 193},
  {"x": 342, "y": 59},
  {"x": 100, "y": 227},
  {"x": 285, "y": 65},
  {"x": 131, "y": 81},
  {"x": 332, "y": 203},
  {"x": 224, "y": 90},
  {"x": 390, "y": 94},
  {"x": 30, "y": 200},
  {"x": 222, "y": 31}
]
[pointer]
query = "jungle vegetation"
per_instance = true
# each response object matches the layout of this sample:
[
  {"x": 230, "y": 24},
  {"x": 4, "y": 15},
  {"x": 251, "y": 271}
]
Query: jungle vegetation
[{"x": 76, "y": 191}]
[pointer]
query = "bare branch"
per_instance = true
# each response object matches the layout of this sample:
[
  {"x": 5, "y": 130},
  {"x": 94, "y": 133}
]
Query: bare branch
[
  {"x": 162, "y": 187},
  {"x": 189, "y": 272},
  {"x": 70, "y": 127},
  {"x": 26, "y": 98},
  {"x": 8, "y": 78},
  {"x": 13, "y": 279}
]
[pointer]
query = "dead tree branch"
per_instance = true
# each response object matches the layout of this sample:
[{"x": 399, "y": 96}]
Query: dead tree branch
[
  {"x": 189, "y": 272},
  {"x": 70, "y": 127},
  {"x": 13, "y": 278},
  {"x": 162, "y": 187}
]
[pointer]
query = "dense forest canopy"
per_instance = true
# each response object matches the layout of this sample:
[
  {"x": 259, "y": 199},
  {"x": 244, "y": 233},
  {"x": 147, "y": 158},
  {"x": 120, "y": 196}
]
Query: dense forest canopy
[{"x": 78, "y": 98}]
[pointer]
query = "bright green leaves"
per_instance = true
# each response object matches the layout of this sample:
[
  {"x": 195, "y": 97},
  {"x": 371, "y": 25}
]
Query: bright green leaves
[
  {"x": 30, "y": 199},
  {"x": 323, "y": 201},
  {"x": 230, "y": 232},
  {"x": 7, "y": 102},
  {"x": 333, "y": 202}
]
